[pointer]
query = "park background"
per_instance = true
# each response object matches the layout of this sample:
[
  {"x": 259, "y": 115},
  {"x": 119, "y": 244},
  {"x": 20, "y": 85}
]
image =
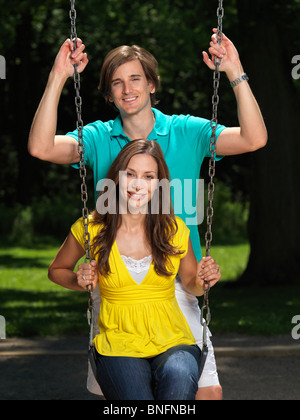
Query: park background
[{"x": 256, "y": 229}]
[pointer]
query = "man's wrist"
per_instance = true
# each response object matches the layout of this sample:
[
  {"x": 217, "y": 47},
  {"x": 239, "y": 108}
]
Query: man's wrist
[
  {"x": 235, "y": 72},
  {"x": 57, "y": 78},
  {"x": 239, "y": 80}
]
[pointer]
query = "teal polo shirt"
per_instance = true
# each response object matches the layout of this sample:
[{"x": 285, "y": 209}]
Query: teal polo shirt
[{"x": 185, "y": 142}]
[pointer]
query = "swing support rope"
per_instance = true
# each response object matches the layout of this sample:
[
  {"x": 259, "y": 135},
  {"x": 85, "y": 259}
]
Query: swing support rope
[{"x": 204, "y": 319}]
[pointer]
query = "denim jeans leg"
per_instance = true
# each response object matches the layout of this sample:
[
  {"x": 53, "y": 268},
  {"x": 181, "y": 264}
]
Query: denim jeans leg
[
  {"x": 176, "y": 373},
  {"x": 124, "y": 378}
]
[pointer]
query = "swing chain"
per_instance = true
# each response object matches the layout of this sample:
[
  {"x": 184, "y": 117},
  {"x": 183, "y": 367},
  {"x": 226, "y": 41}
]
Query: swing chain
[
  {"x": 205, "y": 320},
  {"x": 81, "y": 149}
]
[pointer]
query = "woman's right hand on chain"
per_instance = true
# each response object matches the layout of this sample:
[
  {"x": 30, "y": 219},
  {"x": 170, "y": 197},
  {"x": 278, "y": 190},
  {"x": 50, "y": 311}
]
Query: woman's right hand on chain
[{"x": 87, "y": 275}]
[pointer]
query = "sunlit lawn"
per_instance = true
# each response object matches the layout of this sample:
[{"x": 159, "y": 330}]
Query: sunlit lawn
[
  {"x": 231, "y": 258},
  {"x": 32, "y": 305}
]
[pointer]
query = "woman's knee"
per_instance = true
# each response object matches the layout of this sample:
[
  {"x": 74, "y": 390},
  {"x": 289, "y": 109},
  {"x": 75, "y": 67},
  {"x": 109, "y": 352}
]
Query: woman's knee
[
  {"x": 181, "y": 364},
  {"x": 178, "y": 377}
]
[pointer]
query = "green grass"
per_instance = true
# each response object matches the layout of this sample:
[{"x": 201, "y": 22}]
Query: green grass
[
  {"x": 231, "y": 258},
  {"x": 254, "y": 310},
  {"x": 33, "y": 306}
]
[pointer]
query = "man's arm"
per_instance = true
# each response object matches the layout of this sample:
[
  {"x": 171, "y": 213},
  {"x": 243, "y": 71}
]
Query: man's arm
[
  {"x": 43, "y": 143},
  {"x": 252, "y": 134}
]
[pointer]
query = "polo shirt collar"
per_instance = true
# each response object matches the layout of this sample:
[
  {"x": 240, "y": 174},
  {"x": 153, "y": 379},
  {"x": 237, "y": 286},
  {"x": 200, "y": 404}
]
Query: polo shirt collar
[
  {"x": 161, "y": 126},
  {"x": 162, "y": 123},
  {"x": 117, "y": 128}
]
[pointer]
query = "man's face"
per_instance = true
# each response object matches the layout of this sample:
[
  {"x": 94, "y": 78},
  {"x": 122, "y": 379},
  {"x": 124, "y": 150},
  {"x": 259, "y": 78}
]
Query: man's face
[{"x": 130, "y": 90}]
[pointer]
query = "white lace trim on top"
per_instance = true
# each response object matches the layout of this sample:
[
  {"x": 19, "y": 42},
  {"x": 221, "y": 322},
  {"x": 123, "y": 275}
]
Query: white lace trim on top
[{"x": 137, "y": 266}]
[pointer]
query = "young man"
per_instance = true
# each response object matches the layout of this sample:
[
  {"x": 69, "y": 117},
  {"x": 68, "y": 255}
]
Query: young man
[{"x": 129, "y": 80}]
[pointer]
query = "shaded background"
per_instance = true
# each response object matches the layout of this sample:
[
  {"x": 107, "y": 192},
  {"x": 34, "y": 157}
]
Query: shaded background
[{"x": 257, "y": 194}]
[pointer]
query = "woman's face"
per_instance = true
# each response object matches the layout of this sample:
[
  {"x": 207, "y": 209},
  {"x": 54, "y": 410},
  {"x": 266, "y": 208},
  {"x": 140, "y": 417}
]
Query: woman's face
[{"x": 138, "y": 183}]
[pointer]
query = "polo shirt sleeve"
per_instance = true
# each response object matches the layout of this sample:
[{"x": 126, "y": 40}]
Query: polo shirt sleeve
[
  {"x": 93, "y": 135},
  {"x": 199, "y": 131}
]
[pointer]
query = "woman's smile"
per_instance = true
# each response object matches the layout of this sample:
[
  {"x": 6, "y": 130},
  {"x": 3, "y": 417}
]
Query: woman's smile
[{"x": 136, "y": 196}]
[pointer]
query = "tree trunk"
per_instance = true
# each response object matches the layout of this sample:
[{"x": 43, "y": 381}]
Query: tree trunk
[
  {"x": 274, "y": 229},
  {"x": 23, "y": 81}
]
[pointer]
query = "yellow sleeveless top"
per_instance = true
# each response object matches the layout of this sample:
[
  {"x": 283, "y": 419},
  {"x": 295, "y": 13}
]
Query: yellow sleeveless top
[{"x": 138, "y": 320}]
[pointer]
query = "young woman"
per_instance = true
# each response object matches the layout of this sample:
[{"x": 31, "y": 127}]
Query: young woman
[{"x": 145, "y": 348}]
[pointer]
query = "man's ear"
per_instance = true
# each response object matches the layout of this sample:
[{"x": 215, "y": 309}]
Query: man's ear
[{"x": 151, "y": 87}]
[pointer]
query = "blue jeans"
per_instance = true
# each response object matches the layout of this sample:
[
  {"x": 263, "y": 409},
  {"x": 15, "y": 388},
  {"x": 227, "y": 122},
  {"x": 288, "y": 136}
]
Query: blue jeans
[{"x": 172, "y": 375}]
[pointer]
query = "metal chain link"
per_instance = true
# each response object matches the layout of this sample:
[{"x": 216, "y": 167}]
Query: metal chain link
[
  {"x": 82, "y": 168},
  {"x": 205, "y": 320}
]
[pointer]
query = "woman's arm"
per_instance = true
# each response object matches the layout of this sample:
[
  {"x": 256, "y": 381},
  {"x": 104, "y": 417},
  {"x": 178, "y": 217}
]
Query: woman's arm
[
  {"x": 193, "y": 274},
  {"x": 61, "y": 270}
]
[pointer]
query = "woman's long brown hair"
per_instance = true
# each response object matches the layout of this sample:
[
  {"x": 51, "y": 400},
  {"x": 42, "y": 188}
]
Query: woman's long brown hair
[{"x": 159, "y": 228}]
